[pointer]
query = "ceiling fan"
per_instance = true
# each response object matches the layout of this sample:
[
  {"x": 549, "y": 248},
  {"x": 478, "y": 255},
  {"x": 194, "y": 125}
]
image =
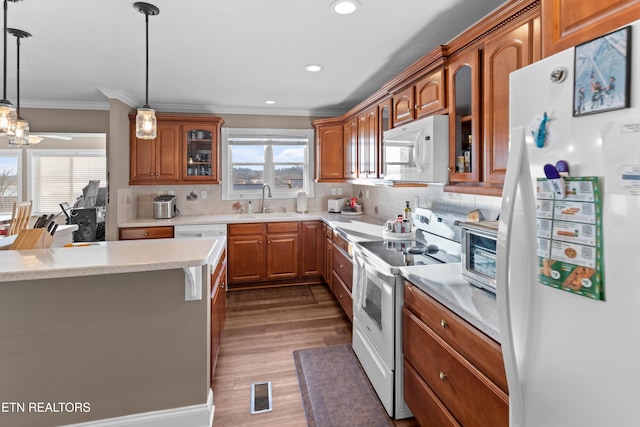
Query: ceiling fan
[{"x": 35, "y": 139}]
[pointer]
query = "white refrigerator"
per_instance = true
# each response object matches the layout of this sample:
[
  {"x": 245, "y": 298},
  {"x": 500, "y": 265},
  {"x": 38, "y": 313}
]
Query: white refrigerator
[{"x": 572, "y": 360}]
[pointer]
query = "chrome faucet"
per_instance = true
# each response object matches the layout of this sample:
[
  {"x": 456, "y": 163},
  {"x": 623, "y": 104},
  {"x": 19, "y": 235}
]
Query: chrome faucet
[{"x": 264, "y": 209}]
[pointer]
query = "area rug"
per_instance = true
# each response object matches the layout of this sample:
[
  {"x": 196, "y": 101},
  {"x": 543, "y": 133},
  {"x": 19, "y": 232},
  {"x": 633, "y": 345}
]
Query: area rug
[
  {"x": 335, "y": 389},
  {"x": 282, "y": 296}
]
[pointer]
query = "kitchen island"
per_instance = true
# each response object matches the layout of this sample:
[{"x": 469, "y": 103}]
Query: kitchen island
[{"x": 113, "y": 330}]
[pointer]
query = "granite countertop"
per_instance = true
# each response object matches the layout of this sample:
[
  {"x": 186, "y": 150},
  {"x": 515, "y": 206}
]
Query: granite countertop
[
  {"x": 109, "y": 258},
  {"x": 445, "y": 283}
]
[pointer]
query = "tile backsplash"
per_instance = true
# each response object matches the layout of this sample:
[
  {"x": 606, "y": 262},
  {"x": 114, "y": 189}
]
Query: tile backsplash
[{"x": 378, "y": 201}]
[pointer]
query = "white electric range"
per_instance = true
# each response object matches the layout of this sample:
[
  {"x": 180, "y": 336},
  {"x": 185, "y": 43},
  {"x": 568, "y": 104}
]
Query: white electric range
[{"x": 378, "y": 297}]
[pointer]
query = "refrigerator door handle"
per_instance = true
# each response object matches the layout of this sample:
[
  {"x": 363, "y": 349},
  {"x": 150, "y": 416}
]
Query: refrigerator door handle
[{"x": 513, "y": 175}]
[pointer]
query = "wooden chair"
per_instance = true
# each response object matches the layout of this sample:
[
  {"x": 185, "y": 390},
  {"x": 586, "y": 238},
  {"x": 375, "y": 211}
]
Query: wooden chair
[{"x": 20, "y": 217}]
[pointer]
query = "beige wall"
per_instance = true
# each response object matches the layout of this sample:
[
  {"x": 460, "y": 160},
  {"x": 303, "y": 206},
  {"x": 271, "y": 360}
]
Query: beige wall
[
  {"x": 62, "y": 120},
  {"x": 124, "y": 343}
]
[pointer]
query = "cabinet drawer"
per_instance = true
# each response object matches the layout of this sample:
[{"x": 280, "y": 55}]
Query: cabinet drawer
[
  {"x": 135, "y": 233},
  {"x": 474, "y": 345},
  {"x": 466, "y": 392},
  {"x": 343, "y": 295},
  {"x": 240, "y": 229},
  {"x": 342, "y": 243},
  {"x": 343, "y": 267},
  {"x": 425, "y": 405},
  {"x": 282, "y": 227}
]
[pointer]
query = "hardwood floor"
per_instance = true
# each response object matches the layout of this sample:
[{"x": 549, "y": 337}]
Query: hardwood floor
[{"x": 257, "y": 346}]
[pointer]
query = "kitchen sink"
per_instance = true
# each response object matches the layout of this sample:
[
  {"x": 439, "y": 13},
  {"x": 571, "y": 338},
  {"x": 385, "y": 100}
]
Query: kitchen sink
[{"x": 267, "y": 215}]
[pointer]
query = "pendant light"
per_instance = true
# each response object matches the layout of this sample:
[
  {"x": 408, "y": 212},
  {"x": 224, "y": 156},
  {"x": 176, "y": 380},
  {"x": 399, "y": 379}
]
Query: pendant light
[
  {"x": 146, "y": 117},
  {"x": 8, "y": 114},
  {"x": 19, "y": 134}
]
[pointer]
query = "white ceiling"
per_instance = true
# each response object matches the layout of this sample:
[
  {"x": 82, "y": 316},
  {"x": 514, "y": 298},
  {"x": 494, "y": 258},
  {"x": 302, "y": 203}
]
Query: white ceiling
[{"x": 224, "y": 57}]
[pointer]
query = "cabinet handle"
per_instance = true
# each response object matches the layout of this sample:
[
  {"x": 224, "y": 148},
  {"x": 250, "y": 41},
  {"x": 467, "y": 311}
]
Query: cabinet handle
[
  {"x": 443, "y": 324},
  {"x": 442, "y": 376}
]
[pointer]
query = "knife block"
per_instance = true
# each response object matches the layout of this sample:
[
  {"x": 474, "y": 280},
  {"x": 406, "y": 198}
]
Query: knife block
[{"x": 33, "y": 238}]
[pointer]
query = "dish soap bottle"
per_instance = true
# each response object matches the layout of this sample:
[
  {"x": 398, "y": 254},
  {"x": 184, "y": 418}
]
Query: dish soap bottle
[{"x": 249, "y": 207}]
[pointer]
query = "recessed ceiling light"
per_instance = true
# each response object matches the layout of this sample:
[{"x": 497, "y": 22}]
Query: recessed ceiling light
[
  {"x": 345, "y": 7},
  {"x": 269, "y": 101},
  {"x": 313, "y": 67}
]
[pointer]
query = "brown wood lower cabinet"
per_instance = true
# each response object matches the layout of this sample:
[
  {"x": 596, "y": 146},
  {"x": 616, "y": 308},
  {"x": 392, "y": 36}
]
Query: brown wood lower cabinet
[
  {"x": 218, "y": 308},
  {"x": 274, "y": 253},
  {"x": 443, "y": 387}
]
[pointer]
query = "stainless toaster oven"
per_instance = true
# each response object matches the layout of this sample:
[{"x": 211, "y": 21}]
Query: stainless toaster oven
[{"x": 478, "y": 258}]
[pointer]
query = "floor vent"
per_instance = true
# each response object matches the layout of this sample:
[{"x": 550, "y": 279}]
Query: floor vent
[{"x": 261, "y": 397}]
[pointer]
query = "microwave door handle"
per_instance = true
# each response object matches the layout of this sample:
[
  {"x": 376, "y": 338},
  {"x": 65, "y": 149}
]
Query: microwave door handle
[{"x": 417, "y": 152}]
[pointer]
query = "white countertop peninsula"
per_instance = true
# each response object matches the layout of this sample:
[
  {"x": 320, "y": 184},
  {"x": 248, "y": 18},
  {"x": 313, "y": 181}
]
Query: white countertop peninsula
[
  {"x": 108, "y": 258},
  {"x": 105, "y": 333}
]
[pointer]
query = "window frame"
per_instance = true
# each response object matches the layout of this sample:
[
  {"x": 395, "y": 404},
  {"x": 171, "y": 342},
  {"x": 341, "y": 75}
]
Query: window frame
[
  {"x": 228, "y": 193},
  {"x": 19, "y": 155}
]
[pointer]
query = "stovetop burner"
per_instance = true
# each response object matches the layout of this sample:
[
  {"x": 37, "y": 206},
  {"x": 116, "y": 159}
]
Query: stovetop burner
[{"x": 398, "y": 253}]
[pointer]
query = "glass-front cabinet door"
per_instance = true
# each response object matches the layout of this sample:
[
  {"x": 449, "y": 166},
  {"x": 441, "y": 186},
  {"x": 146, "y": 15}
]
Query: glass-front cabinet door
[
  {"x": 464, "y": 123},
  {"x": 200, "y": 152}
]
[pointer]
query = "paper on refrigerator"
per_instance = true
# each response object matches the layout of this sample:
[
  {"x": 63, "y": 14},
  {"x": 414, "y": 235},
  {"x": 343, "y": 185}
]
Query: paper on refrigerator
[{"x": 621, "y": 148}]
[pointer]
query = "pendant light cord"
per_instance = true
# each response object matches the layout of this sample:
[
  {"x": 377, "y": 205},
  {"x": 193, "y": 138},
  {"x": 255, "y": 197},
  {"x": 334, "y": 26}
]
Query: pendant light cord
[
  {"x": 18, "y": 79},
  {"x": 4, "y": 80},
  {"x": 146, "y": 97}
]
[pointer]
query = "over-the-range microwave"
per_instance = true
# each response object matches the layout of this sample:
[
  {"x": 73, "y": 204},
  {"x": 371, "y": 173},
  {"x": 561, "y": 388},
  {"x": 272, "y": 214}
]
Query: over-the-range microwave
[{"x": 417, "y": 151}]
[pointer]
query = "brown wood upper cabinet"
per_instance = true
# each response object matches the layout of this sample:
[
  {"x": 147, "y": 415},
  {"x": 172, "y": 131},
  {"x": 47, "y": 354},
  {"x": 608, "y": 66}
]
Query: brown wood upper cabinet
[
  {"x": 368, "y": 143},
  {"x": 504, "y": 52},
  {"x": 154, "y": 161},
  {"x": 350, "y": 130},
  {"x": 426, "y": 96},
  {"x": 185, "y": 150},
  {"x": 571, "y": 22},
  {"x": 330, "y": 160}
]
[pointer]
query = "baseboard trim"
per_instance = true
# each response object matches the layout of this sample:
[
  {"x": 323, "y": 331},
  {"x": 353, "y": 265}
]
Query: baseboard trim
[{"x": 186, "y": 416}]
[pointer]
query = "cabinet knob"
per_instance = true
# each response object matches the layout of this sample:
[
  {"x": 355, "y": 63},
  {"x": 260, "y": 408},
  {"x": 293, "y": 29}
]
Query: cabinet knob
[
  {"x": 151, "y": 173},
  {"x": 443, "y": 323},
  {"x": 146, "y": 233},
  {"x": 449, "y": 169},
  {"x": 341, "y": 266},
  {"x": 268, "y": 242},
  {"x": 442, "y": 376},
  {"x": 259, "y": 242}
]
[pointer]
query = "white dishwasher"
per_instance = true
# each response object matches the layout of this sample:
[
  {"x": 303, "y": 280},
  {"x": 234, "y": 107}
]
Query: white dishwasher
[{"x": 199, "y": 230}]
